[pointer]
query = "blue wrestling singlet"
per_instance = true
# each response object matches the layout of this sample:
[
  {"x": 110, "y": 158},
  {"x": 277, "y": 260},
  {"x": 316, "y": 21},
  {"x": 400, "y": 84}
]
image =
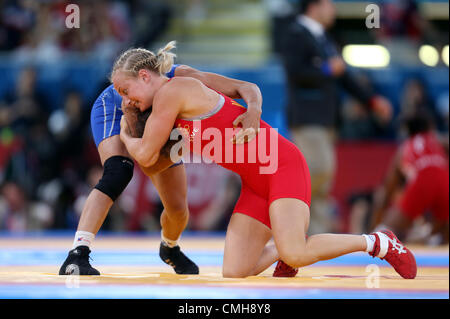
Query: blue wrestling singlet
[{"x": 106, "y": 112}]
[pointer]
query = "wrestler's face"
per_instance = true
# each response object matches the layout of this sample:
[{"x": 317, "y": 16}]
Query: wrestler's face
[{"x": 135, "y": 91}]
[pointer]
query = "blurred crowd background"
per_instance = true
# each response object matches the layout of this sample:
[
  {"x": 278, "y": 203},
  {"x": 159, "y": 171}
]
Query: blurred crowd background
[{"x": 50, "y": 76}]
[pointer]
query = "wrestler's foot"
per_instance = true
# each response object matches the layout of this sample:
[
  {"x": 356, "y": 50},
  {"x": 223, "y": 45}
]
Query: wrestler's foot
[
  {"x": 179, "y": 262},
  {"x": 284, "y": 270},
  {"x": 388, "y": 247},
  {"x": 77, "y": 263}
]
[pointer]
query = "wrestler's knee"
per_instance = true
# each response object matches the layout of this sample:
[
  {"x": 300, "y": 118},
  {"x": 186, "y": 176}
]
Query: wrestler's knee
[
  {"x": 177, "y": 209},
  {"x": 117, "y": 173},
  {"x": 294, "y": 256}
]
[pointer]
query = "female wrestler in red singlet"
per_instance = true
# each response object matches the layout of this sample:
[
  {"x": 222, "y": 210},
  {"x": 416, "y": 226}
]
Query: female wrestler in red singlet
[
  {"x": 275, "y": 187},
  {"x": 420, "y": 171}
]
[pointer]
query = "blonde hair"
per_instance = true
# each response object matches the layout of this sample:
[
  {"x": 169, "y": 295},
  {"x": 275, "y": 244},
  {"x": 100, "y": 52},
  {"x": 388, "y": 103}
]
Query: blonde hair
[{"x": 133, "y": 60}]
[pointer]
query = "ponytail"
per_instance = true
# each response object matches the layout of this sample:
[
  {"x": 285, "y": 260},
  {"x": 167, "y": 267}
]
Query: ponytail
[
  {"x": 133, "y": 60},
  {"x": 165, "y": 58}
]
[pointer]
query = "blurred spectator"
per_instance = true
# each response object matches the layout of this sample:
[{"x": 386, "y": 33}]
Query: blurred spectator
[
  {"x": 50, "y": 164},
  {"x": 18, "y": 214},
  {"x": 37, "y": 30},
  {"x": 415, "y": 96},
  {"x": 25, "y": 106},
  {"x": 70, "y": 129},
  {"x": 104, "y": 29},
  {"x": 9, "y": 145},
  {"x": 40, "y": 43},
  {"x": 403, "y": 19},
  {"x": 33, "y": 162},
  {"x": 25, "y": 114},
  {"x": 150, "y": 19},
  {"x": 16, "y": 19},
  {"x": 314, "y": 69}
]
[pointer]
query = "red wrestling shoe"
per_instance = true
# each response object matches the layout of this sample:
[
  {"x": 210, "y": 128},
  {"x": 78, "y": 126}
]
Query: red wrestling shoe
[
  {"x": 284, "y": 270},
  {"x": 388, "y": 247}
]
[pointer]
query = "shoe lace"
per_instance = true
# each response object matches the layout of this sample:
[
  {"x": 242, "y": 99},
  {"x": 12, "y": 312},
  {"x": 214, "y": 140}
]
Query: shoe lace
[
  {"x": 169, "y": 262},
  {"x": 85, "y": 258},
  {"x": 397, "y": 246}
]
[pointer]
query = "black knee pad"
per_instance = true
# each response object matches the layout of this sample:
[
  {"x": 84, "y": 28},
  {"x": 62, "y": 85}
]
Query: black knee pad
[{"x": 117, "y": 173}]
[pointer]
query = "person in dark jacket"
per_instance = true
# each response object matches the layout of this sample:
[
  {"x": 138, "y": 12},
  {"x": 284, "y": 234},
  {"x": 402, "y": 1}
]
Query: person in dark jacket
[{"x": 314, "y": 72}]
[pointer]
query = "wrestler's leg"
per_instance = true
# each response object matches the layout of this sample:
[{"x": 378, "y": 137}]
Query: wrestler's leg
[
  {"x": 97, "y": 205},
  {"x": 172, "y": 189},
  {"x": 246, "y": 252},
  {"x": 245, "y": 243},
  {"x": 289, "y": 219},
  {"x": 171, "y": 185},
  {"x": 118, "y": 170}
]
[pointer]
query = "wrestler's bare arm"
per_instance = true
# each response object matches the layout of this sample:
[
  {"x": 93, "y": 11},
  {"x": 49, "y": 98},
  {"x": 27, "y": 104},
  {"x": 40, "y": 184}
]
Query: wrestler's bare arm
[
  {"x": 136, "y": 121},
  {"x": 146, "y": 150},
  {"x": 384, "y": 195},
  {"x": 235, "y": 89}
]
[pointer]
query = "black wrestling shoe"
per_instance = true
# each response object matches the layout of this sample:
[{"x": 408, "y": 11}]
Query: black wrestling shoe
[
  {"x": 77, "y": 263},
  {"x": 179, "y": 262}
]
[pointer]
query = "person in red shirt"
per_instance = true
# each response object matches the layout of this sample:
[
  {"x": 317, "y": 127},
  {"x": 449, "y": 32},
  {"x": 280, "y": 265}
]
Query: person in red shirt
[
  {"x": 421, "y": 164},
  {"x": 276, "y": 186}
]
